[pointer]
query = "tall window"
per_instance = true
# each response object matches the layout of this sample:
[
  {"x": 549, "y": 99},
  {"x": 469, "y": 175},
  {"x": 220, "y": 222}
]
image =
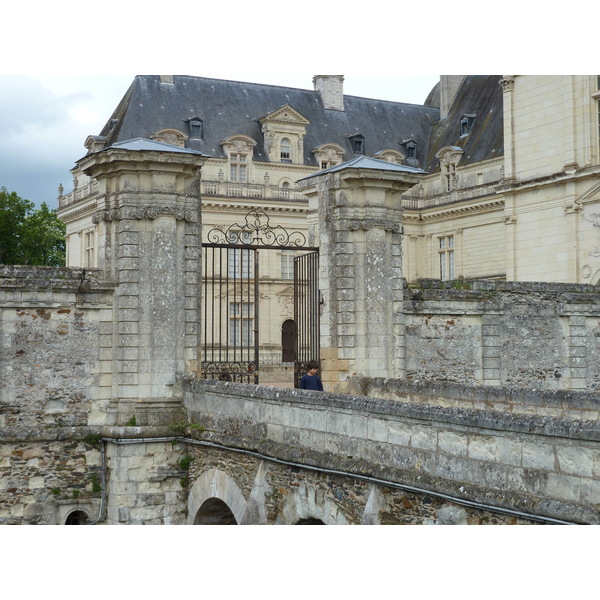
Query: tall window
[
  {"x": 287, "y": 264},
  {"x": 241, "y": 324},
  {"x": 238, "y": 168},
  {"x": 286, "y": 150},
  {"x": 449, "y": 174},
  {"x": 446, "y": 255},
  {"x": 240, "y": 263},
  {"x": 89, "y": 249}
]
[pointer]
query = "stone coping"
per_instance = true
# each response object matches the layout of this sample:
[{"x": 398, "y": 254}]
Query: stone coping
[
  {"x": 382, "y": 408},
  {"x": 566, "y": 399}
]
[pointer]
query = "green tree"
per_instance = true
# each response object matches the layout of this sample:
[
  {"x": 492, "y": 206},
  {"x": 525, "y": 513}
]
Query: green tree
[{"x": 29, "y": 236}]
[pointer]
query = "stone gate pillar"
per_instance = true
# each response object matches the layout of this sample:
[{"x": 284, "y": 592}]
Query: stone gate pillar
[
  {"x": 148, "y": 219},
  {"x": 355, "y": 216}
]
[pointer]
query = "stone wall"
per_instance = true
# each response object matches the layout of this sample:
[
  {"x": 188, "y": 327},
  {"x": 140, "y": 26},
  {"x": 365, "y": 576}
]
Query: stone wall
[
  {"x": 516, "y": 334},
  {"x": 568, "y": 404},
  {"x": 44, "y": 478},
  {"x": 534, "y": 465},
  {"x": 54, "y": 325}
]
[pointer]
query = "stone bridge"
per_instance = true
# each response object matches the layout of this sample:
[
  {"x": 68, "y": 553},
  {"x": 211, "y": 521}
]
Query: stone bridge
[{"x": 266, "y": 455}]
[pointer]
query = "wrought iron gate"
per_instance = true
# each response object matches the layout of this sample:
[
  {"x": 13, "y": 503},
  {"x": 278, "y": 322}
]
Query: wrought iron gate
[
  {"x": 306, "y": 312},
  {"x": 230, "y": 331}
]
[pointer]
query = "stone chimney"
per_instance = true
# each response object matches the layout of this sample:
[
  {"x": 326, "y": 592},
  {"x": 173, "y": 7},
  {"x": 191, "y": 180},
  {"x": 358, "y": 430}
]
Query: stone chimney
[
  {"x": 449, "y": 85},
  {"x": 331, "y": 88}
]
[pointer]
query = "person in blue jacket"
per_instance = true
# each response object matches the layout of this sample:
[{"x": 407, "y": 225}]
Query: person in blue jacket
[{"x": 311, "y": 381}]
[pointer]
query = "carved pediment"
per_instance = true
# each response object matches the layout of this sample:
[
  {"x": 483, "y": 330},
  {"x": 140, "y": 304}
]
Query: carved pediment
[
  {"x": 288, "y": 290},
  {"x": 287, "y": 114},
  {"x": 450, "y": 154}
]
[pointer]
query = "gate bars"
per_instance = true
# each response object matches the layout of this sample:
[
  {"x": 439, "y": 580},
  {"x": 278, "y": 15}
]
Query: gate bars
[
  {"x": 230, "y": 287},
  {"x": 306, "y": 312},
  {"x": 230, "y": 325}
]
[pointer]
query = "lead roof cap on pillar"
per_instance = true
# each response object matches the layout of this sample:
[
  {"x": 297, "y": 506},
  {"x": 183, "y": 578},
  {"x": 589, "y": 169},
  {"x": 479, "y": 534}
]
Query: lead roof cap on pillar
[
  {"x": 142, "y": 144},
  {"x": 365, "y": 162}
]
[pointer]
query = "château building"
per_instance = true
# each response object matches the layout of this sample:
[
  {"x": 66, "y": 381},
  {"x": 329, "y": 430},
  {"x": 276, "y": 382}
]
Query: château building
[
  {"x": 508, "y": 177},
  {"x": 458, "y": 342}
]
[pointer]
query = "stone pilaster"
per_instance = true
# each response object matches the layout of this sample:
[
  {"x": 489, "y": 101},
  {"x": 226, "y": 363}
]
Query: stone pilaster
[
  {"x": 491, "y": 347},
  {"x": 355, "y": 216},
  {"x": 578, "y": 354},
  {"x": 150, "y": 220}
]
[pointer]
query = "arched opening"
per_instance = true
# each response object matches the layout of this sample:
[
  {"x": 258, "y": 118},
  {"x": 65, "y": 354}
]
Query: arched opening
[
  {"x": 77, "y": 517},
  {"x": 287, "y": 341},
  {"x": 286, "y": 150},
  {"x": 214, "y": 512},
  {"x": 310, "y": 521}
]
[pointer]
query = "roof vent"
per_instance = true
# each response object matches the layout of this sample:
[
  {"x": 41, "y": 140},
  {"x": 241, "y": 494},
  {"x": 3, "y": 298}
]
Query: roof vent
[{"x": 166, "y": 79}]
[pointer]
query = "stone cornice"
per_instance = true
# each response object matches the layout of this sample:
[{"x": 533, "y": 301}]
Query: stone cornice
[
  {"x": 440, "y": 213},
  {"x": 513, "y": 185},
  {"x": 73, "y": 215}
]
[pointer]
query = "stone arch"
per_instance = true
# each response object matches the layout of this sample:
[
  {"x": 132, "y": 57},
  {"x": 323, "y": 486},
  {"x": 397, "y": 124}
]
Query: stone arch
[
  {"x": 77, "y": 517},
  {"x": 308, "y": 504},
  {"x": 215, "y": 485}
]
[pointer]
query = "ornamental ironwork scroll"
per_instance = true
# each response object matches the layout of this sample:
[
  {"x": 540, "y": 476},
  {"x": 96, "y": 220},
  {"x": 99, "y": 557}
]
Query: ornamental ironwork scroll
[{"x": 256, "y": 230}]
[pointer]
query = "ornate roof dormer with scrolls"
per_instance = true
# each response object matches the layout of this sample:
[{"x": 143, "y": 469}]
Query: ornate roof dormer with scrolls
[{"x": 284, "y": 130}]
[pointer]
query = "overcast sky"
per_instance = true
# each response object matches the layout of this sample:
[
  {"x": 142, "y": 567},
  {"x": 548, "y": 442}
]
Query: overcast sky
[
  {"x": 64, "y": 69},
  {"x": 44, "y": 120}
]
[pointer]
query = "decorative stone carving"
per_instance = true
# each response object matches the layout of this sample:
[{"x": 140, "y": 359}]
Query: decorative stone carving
[
  {"x": 143, "y": 212},
  {"x": 508, "y": 83},
  {"x": 366, "y": 224}
]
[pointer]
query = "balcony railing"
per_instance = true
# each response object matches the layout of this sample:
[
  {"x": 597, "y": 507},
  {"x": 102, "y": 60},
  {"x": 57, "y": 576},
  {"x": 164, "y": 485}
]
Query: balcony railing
[
  {"x": 250, "y": 190},
  {"x": 208, "y": 188},
  {"x": 79, "y": 193},
  {"x": 477, "y": 191}
]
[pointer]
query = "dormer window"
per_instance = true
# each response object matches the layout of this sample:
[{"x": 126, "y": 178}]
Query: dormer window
[
  {"x": 195, "y": 127},
  {"x": 170, "y": 136},
  {"x": 358, "y": 143},
  {"x": 391, "y": 156},
  {"x": 284, "y": 130},
  {"x": 238, "y": 149},
  {"x": 449, "y": 157},
  {"x": 328, "y": 156},
  {"x": 466, "y": 122},
  {"x": 409, "y": 147},
  {"x": 285, "y": 151}
]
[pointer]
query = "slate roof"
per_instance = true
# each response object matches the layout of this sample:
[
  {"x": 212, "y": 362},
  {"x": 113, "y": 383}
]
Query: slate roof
[
  {"x": 480, "y": 96},
  {"x": 229, "y": 108}
]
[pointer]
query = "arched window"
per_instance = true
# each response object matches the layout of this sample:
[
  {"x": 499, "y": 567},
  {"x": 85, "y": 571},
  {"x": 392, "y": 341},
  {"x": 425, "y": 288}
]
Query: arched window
[{"x": 286, "y": 150}]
